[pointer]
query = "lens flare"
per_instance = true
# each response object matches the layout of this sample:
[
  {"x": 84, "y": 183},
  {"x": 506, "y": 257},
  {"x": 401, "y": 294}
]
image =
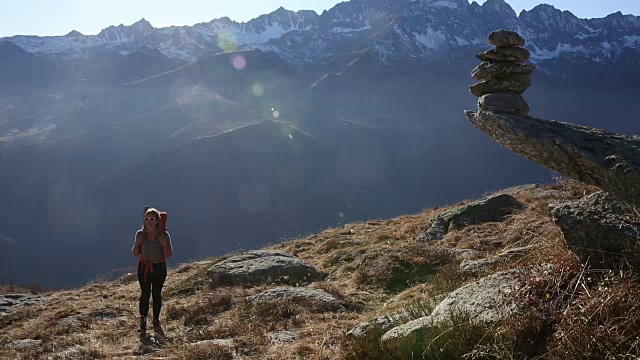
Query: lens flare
[
  {"x": 227, "y": 42},
  {"x": 257, "y": 89},
  {"x": 276, "y": 114},
  {"x": 238, "y": 61}
]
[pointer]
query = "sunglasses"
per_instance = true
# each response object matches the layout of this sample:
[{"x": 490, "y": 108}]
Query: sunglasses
[{"x": 149, "y": 219}]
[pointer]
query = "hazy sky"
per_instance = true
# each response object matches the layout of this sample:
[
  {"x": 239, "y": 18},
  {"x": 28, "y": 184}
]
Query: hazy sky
[{"x": 47, "y": 17}]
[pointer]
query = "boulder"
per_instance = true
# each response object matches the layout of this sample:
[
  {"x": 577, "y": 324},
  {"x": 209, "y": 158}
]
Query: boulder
[
  {"x": 73, "y": 322},
  {"x": 502, "y": 54},
  {"x": 607, "y": 160},
  {"x": 500, "y": 70},
  {"x": 316, "y": 298},
  {"x": 513, "y": 84},
  {"x": 600, "y": 230},
  {"x": 256, "y": 267},
  {"x": 505, "y": 38},
  {"x": 488, "y": 209},
  {"x": 504, "y": 102},
  {"x": 382, "y": 323},
  {"x": 482, "y": 301},
  {"x": 438, "y": 229}
]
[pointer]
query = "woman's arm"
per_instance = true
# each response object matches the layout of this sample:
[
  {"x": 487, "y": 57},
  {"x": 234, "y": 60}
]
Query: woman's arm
[
  {"x": 166, "y": 245},
  {"x": 136, "y": 244}
]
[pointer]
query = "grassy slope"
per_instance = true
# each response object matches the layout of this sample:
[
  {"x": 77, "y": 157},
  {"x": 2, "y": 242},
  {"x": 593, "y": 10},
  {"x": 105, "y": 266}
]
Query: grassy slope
[{"x": 376, "y": 265}]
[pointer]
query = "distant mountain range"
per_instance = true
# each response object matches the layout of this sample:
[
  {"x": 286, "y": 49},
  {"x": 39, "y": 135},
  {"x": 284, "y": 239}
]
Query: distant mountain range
[
  {"x": 393, "y": 28},
  {"x": 248, "y": 133}
]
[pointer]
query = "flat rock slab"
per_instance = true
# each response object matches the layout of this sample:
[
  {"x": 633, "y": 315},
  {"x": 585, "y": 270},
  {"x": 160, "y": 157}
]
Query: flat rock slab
[
  {"x": 600, "y": 230},
  {"x": 593, "y": 156},
  {"x": 482, "y": 301},
  {"x": 505, "y": 38},
  {"x": 26, "y": 344},
  {"x": 498, "y": 70},
  {"x": 504, "y": 102},
  {"x": 282, "y": 336},
  {"x": 508, "y": 54},
  {"x": 489, "y": 209},
  {"x": 9, "y": 302},
  {"x": 218, "y": 342},
  {"x": 513, "y": 84},
  {"x": 319, "y": 299},
  {"x": 259, "y": 267}
]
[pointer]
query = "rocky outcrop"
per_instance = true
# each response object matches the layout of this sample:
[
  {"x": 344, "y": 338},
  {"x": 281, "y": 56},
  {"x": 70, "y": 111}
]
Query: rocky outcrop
[
  {"x": 319, "y": 299},
  {"x": 488, "y": 209},
  {"x": 482, "y": 301},
  {"x": 256, "y": 267},
  {"x": 9, "y": 302},
  {"x": 504, "y": 77},
  {"x": 600, "y": 230},
  {"x": 480, "y": 266},
  {"x": 607, "y": 160}
]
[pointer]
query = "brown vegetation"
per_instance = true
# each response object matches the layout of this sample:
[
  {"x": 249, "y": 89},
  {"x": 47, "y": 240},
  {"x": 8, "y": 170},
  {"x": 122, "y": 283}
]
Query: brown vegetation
[{"x": 377, "y": 267}]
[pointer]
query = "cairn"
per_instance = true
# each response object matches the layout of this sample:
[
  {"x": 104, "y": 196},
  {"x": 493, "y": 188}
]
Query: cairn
[{"x": 503, "y": 74}]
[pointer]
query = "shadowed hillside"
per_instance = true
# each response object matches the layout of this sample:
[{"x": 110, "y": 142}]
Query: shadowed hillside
[{"x": 374, "y": 268}]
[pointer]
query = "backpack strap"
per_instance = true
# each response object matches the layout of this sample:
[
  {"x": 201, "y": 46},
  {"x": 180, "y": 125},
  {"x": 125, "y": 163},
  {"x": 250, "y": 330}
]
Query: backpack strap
[{"x": 148, "y": 265}]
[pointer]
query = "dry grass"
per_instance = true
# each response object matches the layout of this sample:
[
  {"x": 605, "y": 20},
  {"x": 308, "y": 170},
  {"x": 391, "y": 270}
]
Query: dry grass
[
  {"x": 377, "y": 267},
  {"x": 24, "y": 288}
]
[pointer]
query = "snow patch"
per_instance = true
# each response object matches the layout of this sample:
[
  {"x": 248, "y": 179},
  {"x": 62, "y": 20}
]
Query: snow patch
[
  {"x": 339, "y": 29},
  {"x": 606, "y": 45},
  {"x": 631, "y": 41},
  {"x": 432, "y": 39},
  {"x": 444, "y": 4},
  {"x": 542, "y": 54},
  {"x": 461, "y": 41}
]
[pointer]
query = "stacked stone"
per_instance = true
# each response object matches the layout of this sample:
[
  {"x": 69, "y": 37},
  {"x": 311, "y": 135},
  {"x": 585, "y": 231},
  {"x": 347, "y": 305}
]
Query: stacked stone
[{"x": 503, "y": 74}]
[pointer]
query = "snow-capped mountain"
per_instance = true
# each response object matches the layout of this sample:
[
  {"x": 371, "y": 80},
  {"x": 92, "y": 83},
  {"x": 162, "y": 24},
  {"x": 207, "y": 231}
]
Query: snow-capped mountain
[
  {"x": 182, "y": 42},
  {"x": 408, "y": 29}
]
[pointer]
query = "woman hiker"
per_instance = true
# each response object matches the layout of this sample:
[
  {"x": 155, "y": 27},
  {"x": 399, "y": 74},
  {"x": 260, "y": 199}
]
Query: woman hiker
[{"x": 152, "y": 246}]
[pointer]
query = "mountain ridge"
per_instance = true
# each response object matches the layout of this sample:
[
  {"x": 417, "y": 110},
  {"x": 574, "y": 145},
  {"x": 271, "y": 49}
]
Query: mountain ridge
[{"x": 420, "y": 25}]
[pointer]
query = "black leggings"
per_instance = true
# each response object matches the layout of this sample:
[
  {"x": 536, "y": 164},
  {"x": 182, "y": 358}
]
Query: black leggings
[{"x": 153, "y": 285}]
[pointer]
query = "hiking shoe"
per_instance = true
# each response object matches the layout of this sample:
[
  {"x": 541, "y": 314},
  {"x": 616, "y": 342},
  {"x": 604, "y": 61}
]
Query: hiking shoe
[
  {"x": 143, "y": 324},
  {"x": 156, "y": 327}
]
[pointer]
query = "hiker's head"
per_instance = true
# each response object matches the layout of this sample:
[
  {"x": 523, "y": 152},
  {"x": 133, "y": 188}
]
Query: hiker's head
[{"x": 152, "y": 220}]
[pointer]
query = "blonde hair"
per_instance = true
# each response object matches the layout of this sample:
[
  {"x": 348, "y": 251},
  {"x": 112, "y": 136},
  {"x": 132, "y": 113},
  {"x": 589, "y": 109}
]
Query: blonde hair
[{"x": 159, "y": 228}]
